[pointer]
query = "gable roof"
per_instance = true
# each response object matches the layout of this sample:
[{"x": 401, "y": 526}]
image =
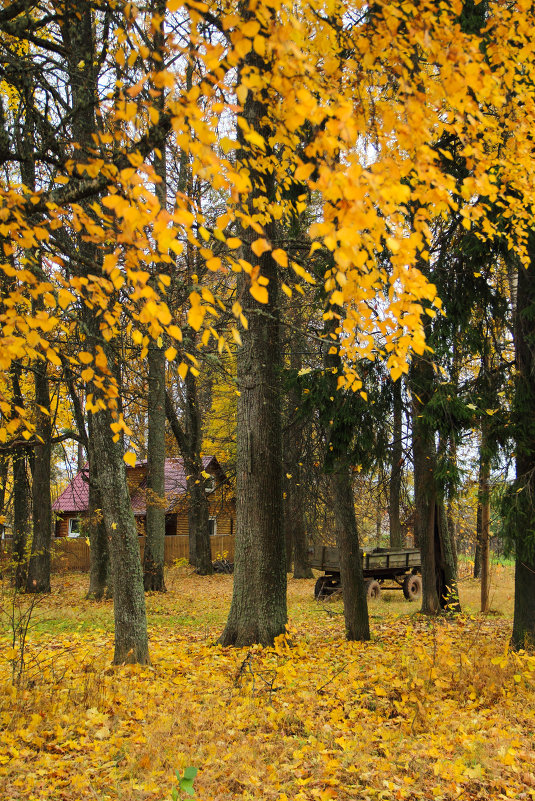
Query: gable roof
[
  {"x": 175, "y": 483},
  {"x": 75, "y": 498}
]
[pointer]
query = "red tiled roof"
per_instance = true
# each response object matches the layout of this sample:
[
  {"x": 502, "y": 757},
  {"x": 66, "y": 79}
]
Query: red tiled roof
[
  {"x": 75, "y": 498},
  {"x": 175, "y": 484}
]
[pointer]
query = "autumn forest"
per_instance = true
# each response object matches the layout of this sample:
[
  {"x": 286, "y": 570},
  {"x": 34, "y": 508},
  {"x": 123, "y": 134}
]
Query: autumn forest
[{"x": 267, "y": 350}]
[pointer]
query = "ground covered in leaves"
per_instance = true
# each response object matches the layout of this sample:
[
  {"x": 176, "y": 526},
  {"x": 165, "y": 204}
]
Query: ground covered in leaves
[{"x": 429, "y": 709}]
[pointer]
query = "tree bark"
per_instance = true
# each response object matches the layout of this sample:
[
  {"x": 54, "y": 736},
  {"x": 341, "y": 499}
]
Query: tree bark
[
  {"x": 439, "y": 575},
  {"x": 258, "y": 611},
  {"x": 131, "y": 642},
  {"x": 38, "y": 578},
  {"x": 100, "y": 583},
  {"x": 294, "y": 495},
  {"x": 353, "y": 587},
  {"x": 396, "y": 538},
  {"x": 153, "y": 561},
  {"x": 188, "y": 439},
  {"x": 154, "y": 554},
  {"x": 21, "y": 498},
  {"x": 484, "y": 505},
  {"x": 524, "y": 403},
  {"x": 347, "y": 540}
]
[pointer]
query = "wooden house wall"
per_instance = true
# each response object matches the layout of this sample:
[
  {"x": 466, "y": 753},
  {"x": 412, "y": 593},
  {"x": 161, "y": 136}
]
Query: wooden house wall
[{"x": 72, "y": 553}]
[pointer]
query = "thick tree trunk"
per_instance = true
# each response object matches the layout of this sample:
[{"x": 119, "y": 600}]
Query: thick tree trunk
[
  {"x": 424, "y": 517},
  {"x": 258, "y": 610},
  {"x": 347, "y": 540},
  {"x": 396, "y": 538},
  {"x": 524, "y": 404},
  {"x": 153, "y": 561},
  {"x": 38, "y": 578}
]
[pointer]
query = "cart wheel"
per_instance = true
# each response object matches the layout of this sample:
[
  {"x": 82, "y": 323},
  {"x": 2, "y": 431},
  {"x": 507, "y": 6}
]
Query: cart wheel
[
  {"x": 373, "y": 589},
  {"x": 320, "y": 588},
  {"x": 412, "y": 587},
  {"x": 325, "y": 586}
]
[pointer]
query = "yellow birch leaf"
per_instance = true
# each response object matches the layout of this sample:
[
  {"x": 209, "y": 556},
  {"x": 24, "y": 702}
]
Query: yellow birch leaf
[
  {"x": 130, "y": 458},
  {"x": 260, "y": 246},
  {"x": 259, "y": 293},
  {"x": 280, "y": 257}
]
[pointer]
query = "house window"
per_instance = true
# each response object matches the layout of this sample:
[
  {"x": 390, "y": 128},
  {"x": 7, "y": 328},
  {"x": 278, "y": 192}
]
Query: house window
[
  {"x": 74, "y": 527},
  {"x": 212, "y": 522}
]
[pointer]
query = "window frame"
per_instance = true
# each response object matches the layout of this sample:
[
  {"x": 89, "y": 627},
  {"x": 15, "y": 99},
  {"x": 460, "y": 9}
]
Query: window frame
[{"x": 74, "y": 534}]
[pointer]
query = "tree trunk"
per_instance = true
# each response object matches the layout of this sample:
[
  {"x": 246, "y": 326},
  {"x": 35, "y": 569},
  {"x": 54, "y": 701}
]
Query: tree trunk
[
  {"x": 477, "y": 549},
  {"x": 153, "y": 561},
  {"x": 154, "y": 555},
  {"x": 99, "y": 569},
  {"x": 396, "y": 538},
  {"x": 21, "y": 499},
  {"x": 439, "y": 574},
  {"x": 294, "y": 496},
  {"x": 188, "y": 439},
  {"x": 21, "y": 508},
  {"x": 199, "y": 512},
  {"x": 131, "y": 643},
  {"x": 258, "y": 610},
  {"x": 199, "y": 520},
  {"x": 484, "y": 505},
  {"x": 38, "y": 579},
  {"x": 99, "y": 552},
  {"x": 347, "y": 539},
  {"x": 524, "y": 403},
  {"x": 353, "y": 588}
]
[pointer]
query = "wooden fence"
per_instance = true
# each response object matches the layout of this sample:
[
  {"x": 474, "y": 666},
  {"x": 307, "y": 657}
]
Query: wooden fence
[{"x": 73, "y": 554}]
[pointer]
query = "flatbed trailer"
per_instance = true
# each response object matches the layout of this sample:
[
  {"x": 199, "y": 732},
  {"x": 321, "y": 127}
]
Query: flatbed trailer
[{"x": 397, "y": 569}]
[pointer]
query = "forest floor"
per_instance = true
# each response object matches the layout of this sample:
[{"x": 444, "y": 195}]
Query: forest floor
[{"x": 429, "y": 709}]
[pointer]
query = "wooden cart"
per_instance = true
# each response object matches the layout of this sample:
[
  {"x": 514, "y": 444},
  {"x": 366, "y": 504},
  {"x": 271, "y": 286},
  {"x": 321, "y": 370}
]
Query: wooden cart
[{"x": 382, "y": 567}]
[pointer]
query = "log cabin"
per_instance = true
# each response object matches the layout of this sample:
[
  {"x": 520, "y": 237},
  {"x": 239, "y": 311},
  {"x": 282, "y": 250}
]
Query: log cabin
[{"x": 71, "y": 509}]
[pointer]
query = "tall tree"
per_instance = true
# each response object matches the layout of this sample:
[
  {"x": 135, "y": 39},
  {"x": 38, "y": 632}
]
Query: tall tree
[
  {"x": 154, "y": 554},
  {"x": 521, "y": 512},
  {"x": 258, "y": 611},
  {"x": 131, "y": 641}
]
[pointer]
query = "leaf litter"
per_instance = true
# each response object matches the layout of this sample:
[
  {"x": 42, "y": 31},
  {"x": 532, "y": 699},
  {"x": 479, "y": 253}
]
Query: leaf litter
[{"x": 429, "y": 709}]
